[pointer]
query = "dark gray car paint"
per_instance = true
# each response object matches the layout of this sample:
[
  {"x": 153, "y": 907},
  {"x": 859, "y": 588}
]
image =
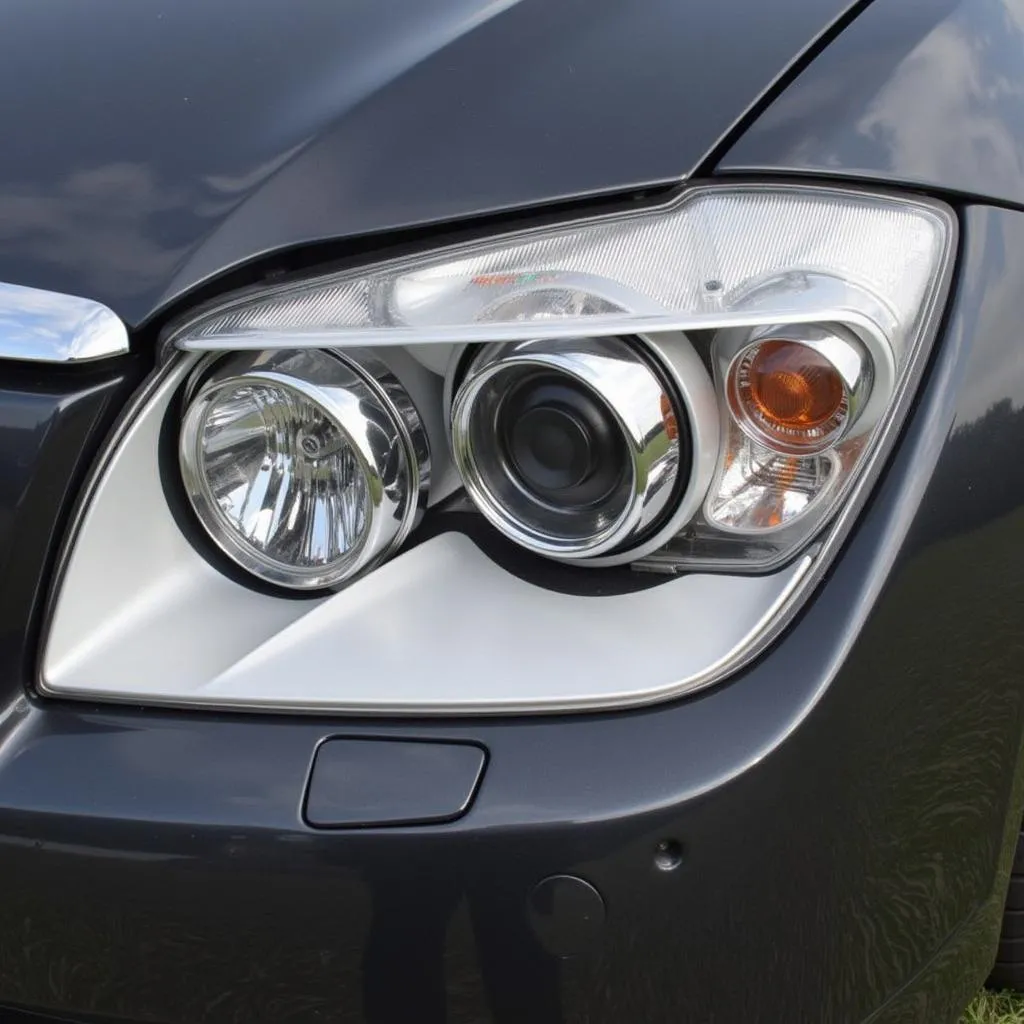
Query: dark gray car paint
[
  {"x": 145, "y": 146},
  {"x": 924, "y": 92}
]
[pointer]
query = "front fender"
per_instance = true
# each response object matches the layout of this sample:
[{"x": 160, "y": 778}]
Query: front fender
[{"x": 928, "y": 93}]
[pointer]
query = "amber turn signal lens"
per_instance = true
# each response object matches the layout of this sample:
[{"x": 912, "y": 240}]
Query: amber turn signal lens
[{"x": 789, "y": 395}]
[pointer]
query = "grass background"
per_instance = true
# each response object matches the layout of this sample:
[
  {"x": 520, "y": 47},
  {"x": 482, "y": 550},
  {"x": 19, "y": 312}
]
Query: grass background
[{"x": 995, "y": 1008}]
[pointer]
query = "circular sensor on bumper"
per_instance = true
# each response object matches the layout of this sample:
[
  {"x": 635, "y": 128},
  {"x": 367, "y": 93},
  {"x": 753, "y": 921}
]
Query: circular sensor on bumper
[
  {"x": 583, "y": 449},
  {"x": 567, "y": 915}
]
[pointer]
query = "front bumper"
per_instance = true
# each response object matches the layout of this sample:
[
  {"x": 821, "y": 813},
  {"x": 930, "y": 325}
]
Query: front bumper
[{"x": 845, "y": 809}]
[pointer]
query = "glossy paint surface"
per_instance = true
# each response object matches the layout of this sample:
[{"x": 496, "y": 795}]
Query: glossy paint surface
[
  {"x": 841, "y": 815},
  {"x": 927, "y": 92},
  {"x": 180, "y": 138}
]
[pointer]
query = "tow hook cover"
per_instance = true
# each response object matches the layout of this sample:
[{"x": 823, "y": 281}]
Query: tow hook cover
[{"x": 357, "y": 783}]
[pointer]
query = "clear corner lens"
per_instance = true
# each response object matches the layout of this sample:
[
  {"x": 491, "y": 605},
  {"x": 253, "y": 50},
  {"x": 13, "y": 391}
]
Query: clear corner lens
[
  {"x": 800, "y": 401},
  {"x": 761, "y": 491},
  {"x": 297, "y": 468},
  {"x": 746, "y": 253}
]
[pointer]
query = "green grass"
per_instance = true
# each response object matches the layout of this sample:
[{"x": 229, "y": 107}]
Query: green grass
[{"x": 995, "y": 1008}]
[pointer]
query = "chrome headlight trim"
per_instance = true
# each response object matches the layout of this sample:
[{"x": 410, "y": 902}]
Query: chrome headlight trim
[
  {"x": 198, "y": 612},
  {"x": 727, "y": 259}
]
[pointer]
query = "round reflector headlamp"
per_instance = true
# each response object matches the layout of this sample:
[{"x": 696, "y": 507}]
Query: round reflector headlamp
[{"x": 304, "y": 467}]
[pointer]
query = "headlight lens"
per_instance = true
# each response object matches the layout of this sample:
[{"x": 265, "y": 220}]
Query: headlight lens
[
  {"x": 760, "y": 491},
  {"x": 276, "y": 475},
  {"x": 299, "y": 467}
]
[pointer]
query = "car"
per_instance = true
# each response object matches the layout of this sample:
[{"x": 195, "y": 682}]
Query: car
[{"x": 511, "y": 510}]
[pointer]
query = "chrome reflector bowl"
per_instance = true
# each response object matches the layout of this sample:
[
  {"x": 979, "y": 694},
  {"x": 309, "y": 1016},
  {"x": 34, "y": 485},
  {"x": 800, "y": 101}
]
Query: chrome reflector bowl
[{"x": 304, "y": 467}]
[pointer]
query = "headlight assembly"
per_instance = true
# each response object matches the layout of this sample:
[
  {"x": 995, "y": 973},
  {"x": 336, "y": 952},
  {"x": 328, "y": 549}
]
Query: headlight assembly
[{"x": 701, "y": 389}]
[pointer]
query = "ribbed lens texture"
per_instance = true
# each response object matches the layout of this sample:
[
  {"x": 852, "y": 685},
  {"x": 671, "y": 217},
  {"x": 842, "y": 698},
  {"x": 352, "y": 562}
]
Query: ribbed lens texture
[
  {"x": 283, "y": 476},
  {"x": 793, "y": 386},
  {"x": 696, "y": 258}
]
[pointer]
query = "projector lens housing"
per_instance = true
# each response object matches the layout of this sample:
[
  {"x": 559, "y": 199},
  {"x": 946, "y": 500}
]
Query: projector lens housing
[{"x": 573, "y": 448}]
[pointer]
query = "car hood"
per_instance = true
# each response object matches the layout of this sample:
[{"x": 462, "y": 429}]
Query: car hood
[{"x": 147, "y": 146}]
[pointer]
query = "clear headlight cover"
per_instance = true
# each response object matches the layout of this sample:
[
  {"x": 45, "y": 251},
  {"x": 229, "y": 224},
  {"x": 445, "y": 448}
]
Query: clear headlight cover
[
  {"x": 724, "y": 264},
  {"x": 717, "y": 257}
]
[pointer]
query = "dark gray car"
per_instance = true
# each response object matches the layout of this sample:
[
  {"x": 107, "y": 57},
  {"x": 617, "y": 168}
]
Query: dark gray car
[{"x": 510, "y": 510}]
